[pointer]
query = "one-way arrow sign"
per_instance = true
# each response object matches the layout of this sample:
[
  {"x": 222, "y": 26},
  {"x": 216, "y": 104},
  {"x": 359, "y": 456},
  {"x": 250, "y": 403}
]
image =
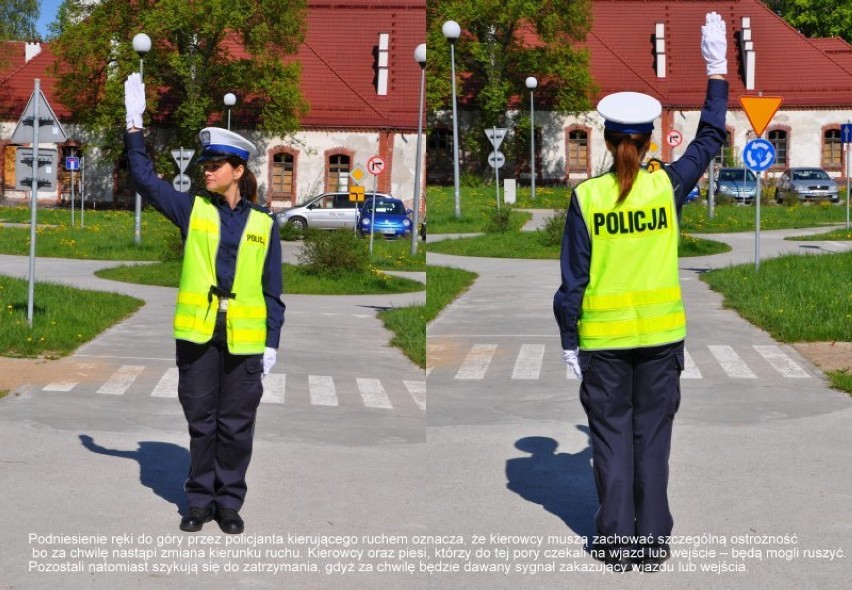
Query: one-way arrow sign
[{"x": 50, "y": 131}]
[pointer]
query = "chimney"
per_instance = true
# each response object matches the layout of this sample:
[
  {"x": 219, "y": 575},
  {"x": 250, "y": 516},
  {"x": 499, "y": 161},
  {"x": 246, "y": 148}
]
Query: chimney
[
  {"x": 747, "y": 53},
  {"x": 660, "y": 49},
  {"x": 382, "y": 64},
  {"x": 31, "y": 50}
]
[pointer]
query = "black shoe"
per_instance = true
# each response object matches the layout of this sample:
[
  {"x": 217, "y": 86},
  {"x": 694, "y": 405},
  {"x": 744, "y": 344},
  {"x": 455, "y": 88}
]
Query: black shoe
[
  {"x": 192, "y": 522},
  {"x": 229, "y": 521}
]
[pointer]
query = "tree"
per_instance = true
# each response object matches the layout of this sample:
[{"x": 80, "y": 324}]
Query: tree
[
  {"x": 200, "y": 51},
  {"x": 502, "y": 43},
  {"x": 816, "y": 18},
  {"x": 18, "y": 20}
]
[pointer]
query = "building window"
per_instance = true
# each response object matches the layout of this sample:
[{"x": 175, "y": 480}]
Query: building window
[
  {"x": 778, "y": 138},
  {"x": 832, "y": 149},
  {"x": 282, "y": 175},
  {"x": 725, "y": 157},
  {"x": 338, "y": 173},
  {"x": 578, "y": 150}
]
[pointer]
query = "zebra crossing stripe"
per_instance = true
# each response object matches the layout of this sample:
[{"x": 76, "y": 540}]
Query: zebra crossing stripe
[
  {"x": 60, "y": 386},
  {"x": 731, "y": 362},
  {"x": 528, "y": 363},
  {"x": 168, "y": 385},
  {"x": 274, "y": 385},
  {"x": 780, "y": 361},
  {"x": 417, "y": 389},
  {"x": 321, "y": 389},
  {"x": 373, "y": 393},
  {"x": 120, "y": 381},
  {"x": 690, "y": 370},
  {"x": 476, "y": 362}
]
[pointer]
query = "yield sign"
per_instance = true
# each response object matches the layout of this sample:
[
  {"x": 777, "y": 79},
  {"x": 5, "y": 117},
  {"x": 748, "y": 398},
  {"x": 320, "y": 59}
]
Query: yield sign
[
  {"x": 760, "y": 110},
  {"x": 495, "y": 136}
]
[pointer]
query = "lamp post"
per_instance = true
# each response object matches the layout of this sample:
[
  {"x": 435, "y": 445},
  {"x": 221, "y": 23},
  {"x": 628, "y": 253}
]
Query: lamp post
[
  {"x": 531, "y": 83},
  {"x": 230, "y": 100},
  {"x": 452, "y": 31},
  {"x": 141, "y": 45},
  {"x": 420, "y": 58}
]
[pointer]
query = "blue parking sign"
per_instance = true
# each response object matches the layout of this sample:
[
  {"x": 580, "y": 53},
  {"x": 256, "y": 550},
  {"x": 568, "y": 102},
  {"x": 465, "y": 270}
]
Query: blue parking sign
[
  {"x": 759, "y": 155},
  {"x": 72, "y": 163}
]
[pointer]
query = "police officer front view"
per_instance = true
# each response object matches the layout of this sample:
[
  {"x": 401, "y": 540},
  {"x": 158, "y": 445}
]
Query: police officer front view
[
  {"x": 229, "y": 313},
  {"x": 620, "y": 313}
]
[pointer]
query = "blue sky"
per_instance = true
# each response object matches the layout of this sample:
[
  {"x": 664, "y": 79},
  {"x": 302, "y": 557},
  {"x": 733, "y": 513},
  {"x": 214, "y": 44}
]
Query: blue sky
[{"x": 49, "y": 8}]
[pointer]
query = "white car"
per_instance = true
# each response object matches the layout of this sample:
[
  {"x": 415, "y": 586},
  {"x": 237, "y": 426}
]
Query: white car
[{"x": 326, "y": 211}]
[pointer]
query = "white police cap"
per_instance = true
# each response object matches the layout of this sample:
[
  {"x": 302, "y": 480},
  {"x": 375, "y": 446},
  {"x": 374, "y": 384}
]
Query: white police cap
[
  {"x": 629, "y": 112},
  {"x": 219, "y": 144}
]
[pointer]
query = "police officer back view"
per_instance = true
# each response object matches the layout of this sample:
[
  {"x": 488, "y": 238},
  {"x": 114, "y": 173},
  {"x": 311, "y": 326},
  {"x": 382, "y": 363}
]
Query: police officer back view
[
  {"x": 229, "y": 312},
  {"x": 620, "y": 312}
]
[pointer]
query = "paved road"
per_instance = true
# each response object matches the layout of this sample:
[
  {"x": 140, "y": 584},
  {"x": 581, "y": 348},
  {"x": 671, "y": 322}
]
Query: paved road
[{"x": 758, "y": 446}]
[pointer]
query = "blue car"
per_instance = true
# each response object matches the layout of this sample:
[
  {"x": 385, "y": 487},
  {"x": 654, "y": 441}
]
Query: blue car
[{"x": 391, "y": 217}]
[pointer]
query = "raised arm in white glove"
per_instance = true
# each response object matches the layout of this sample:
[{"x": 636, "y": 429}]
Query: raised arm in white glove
[
  {"x": 134, "y": 100},
  {"x": 270, "y": 355},
  {"x": 571, "y": 359},
  {"x": 714, "y": 45}
]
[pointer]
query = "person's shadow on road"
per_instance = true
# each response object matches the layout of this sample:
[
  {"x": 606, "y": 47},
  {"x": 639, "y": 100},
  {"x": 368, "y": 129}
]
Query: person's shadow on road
[
  {"x": 561, "y": 482},
  {"x": 162, "y": 467}
]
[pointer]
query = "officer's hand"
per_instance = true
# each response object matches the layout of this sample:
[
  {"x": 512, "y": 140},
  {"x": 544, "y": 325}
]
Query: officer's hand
[
  {"x": 134, "y": 100},
  {"x": 270, "y": 355},
  {"x": 714, "y": 45},
  {"x": 571, "y": 359}
]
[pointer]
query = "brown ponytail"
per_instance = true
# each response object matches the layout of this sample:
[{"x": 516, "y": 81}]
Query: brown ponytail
[
  {"x": 248, "y": 181},
  {"x": 627, "y": 150}
]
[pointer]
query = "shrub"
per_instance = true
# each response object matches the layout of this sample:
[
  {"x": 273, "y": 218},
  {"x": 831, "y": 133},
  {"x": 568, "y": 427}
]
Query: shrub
[
  {"x": 499, "y": 220},
  {"x": 333, "y": 253},
  {"x": 554, "y": 228},
  {"x": 289, "y": 232}
]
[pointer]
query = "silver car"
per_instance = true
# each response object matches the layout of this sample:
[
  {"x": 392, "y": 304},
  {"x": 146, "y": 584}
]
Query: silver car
[
  {"x": 807, "y": 184},
  {"x": 326, "y": 211},
  {"x": 737, "y": 183}
]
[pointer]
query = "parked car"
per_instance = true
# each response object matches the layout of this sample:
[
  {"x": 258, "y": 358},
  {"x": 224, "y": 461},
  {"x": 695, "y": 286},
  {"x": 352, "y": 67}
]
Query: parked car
[
  {"x": 807, "y": 184},
  {"x": 693, "y": 195},
  {"x": 737, "y": 183},
  {"x": 391, "y": 217},
  {"x": 326, "y": 211}
]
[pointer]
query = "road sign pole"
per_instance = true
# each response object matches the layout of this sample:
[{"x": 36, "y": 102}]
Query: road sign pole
[
  {"x": 72, "y": 198},
  {"x": 82, "y": 189},
  {"x": 373, "y": 214},
  {"x": 711, "y": 188},
  {"x": 33, "y": 199},
  {"x": 757, "y": 223},
  {"x": 496, "y": 173},
  {"x": 847, "y": 184}
]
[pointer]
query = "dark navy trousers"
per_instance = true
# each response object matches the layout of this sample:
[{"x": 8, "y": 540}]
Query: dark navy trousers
[
  {"x": 219, "y": 393},
  {"x": 630, "y": 398}
]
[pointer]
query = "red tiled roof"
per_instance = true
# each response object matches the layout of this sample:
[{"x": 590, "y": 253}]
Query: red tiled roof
[
  {"x": 337, "y": 58},
  {"x": 787, "y": 63}
]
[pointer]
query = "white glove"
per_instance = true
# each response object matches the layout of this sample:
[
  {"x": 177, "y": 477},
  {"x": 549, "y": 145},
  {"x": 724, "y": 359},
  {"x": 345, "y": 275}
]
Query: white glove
[
  {"x": 714, "y": 45},
  {"x": 270, "y": 355},
  {"x": 571, "y": 359},
  {"x": 134, "y": 100}
]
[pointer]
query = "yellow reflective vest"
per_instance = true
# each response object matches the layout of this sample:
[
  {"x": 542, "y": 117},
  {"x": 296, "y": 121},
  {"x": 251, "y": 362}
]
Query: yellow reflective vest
[
  {"x": 633, "y": 297},
  {"x": 196, "y": 309}
]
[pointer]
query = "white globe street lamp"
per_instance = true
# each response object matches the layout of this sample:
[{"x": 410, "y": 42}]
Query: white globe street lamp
[
  {"x": 452, "y": 31},
  {"x": 230, "y": 100},
  {"x": 420, "y": 58},
  {"x": 532, "y": 83},
  {"x": 141, "y": 45}
]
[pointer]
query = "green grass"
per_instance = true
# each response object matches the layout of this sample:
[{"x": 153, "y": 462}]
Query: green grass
[
  {"x": 108, "y": 235},
  {"x": 797, "y": 298},
  {"x": 841, "y": 380},
  {"x": 63, "y": 317},
  {"x": 532, "y": 245},
  {"x": 475, "y": 206},
  {"x": 734, "y": 218},
  {"x": 841, "y": 234},
  {"x": 296, "y": 280},
  {"x": 409, "y": 323},
  {"x": 396, "y": 255}
]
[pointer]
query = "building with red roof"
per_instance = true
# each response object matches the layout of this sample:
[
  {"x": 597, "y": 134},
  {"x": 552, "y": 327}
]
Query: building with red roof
[
  {"x": 359, "y": 78},
  {"x": 653, "y": 46}
]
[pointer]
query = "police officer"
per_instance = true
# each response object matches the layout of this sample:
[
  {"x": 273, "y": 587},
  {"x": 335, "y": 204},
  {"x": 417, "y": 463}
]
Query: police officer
[
  {"x": 620, "y": 312},
  {"x": 229, "y": 312}
]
